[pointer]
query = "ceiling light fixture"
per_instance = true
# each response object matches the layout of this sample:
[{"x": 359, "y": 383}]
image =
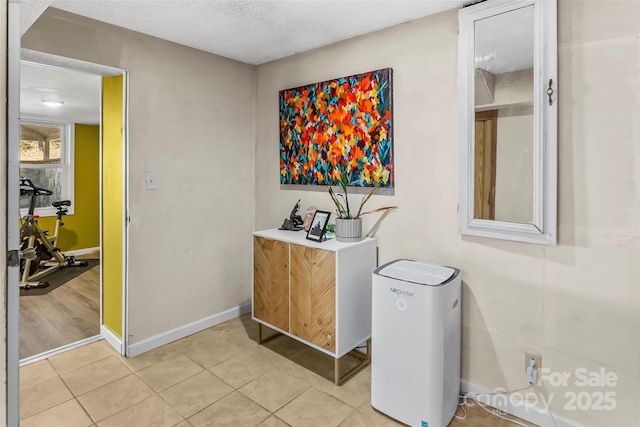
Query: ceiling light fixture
[{"x": 52, "y": 103}]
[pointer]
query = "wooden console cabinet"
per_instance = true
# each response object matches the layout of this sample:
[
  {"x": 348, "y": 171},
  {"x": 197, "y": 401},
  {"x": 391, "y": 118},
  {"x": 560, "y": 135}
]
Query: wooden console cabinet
[{"x": 317, "y": 293}]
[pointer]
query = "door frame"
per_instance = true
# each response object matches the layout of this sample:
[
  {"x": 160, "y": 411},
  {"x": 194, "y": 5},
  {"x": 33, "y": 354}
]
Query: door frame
[
  {"x": 119, "y": 344},
  {"x": 13, "y": 214},
  {"x": 486, "y": 145},
  {"x": 15, "y": 55}
]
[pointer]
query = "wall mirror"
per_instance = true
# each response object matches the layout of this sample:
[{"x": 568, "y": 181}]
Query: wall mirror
[{"x": 508, "y": 120}]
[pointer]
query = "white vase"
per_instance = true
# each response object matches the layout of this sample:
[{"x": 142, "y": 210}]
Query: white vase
[{"x": 348, "y": 230}]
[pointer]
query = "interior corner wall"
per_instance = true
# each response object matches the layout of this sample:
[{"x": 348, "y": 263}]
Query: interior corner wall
[
  {"x": 578, "y": 303},
  {"x": 82, "y": 229},
  {"x": 113, "y": 171},
  {"x": 191, "y": 122},
  {"x": 86, "y": 187}
]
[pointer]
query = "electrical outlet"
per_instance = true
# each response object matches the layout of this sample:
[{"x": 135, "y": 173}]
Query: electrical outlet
[{"x": 528, "y": 357}]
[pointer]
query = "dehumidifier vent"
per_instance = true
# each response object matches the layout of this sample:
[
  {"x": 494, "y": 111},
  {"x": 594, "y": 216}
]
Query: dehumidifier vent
[{"x": 451, "y": 373}]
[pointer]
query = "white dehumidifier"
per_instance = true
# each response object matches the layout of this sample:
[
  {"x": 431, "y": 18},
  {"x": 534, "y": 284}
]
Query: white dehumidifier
[{"x": 415, "y": 342}]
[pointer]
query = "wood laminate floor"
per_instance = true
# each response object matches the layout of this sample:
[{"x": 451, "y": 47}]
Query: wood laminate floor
[{"x": 65, "y": 315}]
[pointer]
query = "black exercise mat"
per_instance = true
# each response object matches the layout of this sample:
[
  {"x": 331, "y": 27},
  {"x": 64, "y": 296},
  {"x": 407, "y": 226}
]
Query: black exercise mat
[{"x": 59, "y": 278}]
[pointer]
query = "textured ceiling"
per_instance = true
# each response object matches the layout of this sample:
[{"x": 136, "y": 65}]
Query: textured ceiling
[
  {"x": 30, "y": 11},
  {"x": 504, "y": 42},
  {"x": 251, "y": 31},
  {"x": 255, "y": 31},
  {"x": 258, "y": 31}
]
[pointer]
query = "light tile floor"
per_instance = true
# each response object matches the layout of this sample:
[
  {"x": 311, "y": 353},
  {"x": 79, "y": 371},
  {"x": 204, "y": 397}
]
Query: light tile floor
[{"x": 217, "y": 377}]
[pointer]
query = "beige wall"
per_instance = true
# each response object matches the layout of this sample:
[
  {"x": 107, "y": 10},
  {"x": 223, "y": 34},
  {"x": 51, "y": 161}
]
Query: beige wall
[
  {"x": 514, "y": 165},
  {"x": 513, "y": 98},
  {"x": 578, "y": 303},
  {"x": 423, "y": 55},
  {"x": 191, "y": 123},
  {"x": 511, "y": 88}
]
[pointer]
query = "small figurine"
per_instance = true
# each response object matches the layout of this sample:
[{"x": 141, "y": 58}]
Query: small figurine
[
  {"x": 294, "y": 217},
  {"x": 294, "y": 222}
]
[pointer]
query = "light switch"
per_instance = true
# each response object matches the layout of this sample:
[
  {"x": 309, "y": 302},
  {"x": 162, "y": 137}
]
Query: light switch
[{"x": 150, "y": 181}]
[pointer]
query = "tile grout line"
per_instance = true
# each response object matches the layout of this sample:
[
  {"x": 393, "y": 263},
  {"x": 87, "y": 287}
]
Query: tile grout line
[
  {"x": 52, "y": 406},
  {"x": 96, "y": 388},
  {"x": 77, "y": 400},
  {"x": 187, "y": 418},
  {"x": 233, "y": 389},
  {"x": 164, "y": 389},
  {"x": 79, "y": 367},
  {"x": 144, "y": 400},
  {"x": 182, "y": 381},
  {"x": 309, "y": 384},
  {"x": 63, "y": 382},
  {"x": 40, "y": 382},
  {"x": 136, "y": 373}
]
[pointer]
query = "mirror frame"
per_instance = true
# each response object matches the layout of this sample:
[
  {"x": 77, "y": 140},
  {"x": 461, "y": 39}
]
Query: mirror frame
[{"x": 544, "y": 227}]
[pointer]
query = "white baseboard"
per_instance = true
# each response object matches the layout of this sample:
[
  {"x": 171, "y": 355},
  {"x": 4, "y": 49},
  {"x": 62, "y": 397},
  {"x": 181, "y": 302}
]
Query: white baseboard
[
  {"x": 112, "y": 339},
  {"x": 83, "y": 251},
  {"x": 186, "y": 330},
  {"x": 535, "y": 415}
]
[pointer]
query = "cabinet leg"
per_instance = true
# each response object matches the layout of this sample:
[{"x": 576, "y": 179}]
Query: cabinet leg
[
  {"x": 262, "y": 340},
  {"x": 365, "y": 360}
]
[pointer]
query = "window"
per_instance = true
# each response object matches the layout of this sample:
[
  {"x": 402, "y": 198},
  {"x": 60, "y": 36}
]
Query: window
[{"x": 46, "y": 157}]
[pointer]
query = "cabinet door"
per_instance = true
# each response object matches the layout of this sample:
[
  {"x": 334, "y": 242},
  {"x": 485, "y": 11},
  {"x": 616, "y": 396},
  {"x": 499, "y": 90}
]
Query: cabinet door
[
  {"x": 271, "y": 282},
  {"x": 313, "y": 295}
]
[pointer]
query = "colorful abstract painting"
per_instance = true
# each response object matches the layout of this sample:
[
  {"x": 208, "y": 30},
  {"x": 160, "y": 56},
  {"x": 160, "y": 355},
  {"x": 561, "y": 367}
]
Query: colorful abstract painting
[{"x": 338, "y": 126}]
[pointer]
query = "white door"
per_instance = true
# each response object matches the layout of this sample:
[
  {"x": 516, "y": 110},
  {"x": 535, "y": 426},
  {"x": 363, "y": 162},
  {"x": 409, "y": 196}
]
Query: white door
[{"x": 13, "y": 213}]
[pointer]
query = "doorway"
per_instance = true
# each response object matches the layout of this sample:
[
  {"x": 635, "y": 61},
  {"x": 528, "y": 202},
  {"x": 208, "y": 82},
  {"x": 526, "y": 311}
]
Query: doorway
[
  {"x": 114, "y": 334},
  {"x": 83, "y": 308},
  {"x": 486, "y": 125},
  {"x": 60, "y": 152}
]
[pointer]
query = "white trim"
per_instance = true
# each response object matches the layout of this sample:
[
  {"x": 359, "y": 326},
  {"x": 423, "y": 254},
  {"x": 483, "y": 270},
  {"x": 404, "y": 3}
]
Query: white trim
[
  {"x": 100, "y": 215},
  {"x": 125, "y": 212},
  {"x": 112, "y": 339},
  {"x": 533, "y": 415},
  {"x": 85, "y": 251},
  {"x": 55, "y": 351},
  {"x": 57, "y": 61},
  {"x": 119, "y": 344},
  {"x": 186, "y": 330}
]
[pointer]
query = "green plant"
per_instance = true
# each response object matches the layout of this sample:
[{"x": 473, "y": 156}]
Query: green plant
[{"x": 343, "y": 209}]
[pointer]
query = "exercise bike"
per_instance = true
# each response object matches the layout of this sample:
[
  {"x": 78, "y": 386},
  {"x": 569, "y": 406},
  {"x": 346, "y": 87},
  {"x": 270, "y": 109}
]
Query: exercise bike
[{"x": 39, "y": 255}]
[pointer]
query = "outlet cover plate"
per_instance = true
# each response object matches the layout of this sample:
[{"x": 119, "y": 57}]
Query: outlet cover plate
[{"x": 528, "y": 357}]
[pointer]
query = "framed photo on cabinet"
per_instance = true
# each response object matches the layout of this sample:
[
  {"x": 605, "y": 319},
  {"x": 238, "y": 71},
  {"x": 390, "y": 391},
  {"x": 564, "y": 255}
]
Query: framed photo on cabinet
[{"x": 318, "y": 226}]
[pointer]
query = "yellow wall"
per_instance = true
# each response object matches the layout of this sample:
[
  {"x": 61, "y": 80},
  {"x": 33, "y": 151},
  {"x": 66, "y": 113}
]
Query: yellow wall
[
  {"x": 112, "y": 202},
  {"x": 82, "y": 229}
]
